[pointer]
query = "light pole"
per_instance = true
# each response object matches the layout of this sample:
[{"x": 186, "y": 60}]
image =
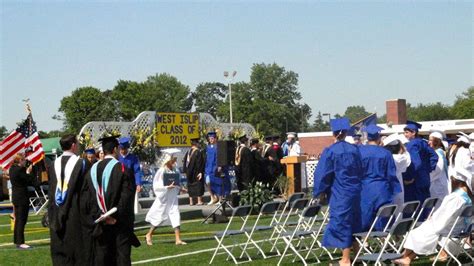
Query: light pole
[
  {"x": 327, "y": 114},
  {"x": 229, "y": 81}
]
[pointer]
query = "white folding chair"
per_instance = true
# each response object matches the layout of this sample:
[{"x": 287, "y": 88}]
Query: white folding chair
[
  {"x": 457, "y": 235},
  {"x": 38, "y": 202},
  {"x": 400, "y": 229},
  {"x": 239, "y": 214},
  {"x": 295, "y": 210},
  {"x": 287, "y": 205},
  {"x": 300, "y": 233},
  {"x": 384, "y": 212},
  {"x": 322, "y": 220},
  {"x": 269, "y": 208}
]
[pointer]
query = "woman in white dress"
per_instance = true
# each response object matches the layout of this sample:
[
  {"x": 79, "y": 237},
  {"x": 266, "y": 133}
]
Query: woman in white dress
[
  {"x": 424, "y": 239},
  {"x": 459, "y": 155},
  {"x": 395, "y": 144},
  {"x": 439, "y": 176},
  {"x": 164, "y": 210}
]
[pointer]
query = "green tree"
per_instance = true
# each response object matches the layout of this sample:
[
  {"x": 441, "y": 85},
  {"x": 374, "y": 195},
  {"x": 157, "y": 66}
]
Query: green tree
[
  {"x": 319, "y": 124},
  {"x": 270, "y": 101},
  {"x": 208, "y": 96},
  {"x": 161, "y": 93},
  {"x": 3, "y": 132},
  {"x": 382, "y": 119},
  {"x": 170, "y": 95},
  {"x": 355, "y": 113},
  {"x": 129, "y": 99},
  {"x": 84, "y": 105},
  {"x": 429, "y": 112},
  {"x": 463, "y": 107}
]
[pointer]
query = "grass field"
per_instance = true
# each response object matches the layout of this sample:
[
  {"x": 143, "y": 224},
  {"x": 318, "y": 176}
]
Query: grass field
[{"x": 164, "y": 252}]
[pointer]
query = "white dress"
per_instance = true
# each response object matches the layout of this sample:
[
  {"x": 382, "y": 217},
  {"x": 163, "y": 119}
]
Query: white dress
[
  {"x": 402, "y": 161},
  {"x": 439, "y": 178},
  {"x": 424, "y": 239},
  {"x": 164, "y": 210}
]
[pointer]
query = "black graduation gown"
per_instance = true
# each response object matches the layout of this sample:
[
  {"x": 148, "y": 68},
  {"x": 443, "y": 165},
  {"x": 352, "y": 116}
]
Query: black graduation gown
[
  {"x": 193, "y": 168},
  {"x": 279, "y": 155},
  {"x": 67, "y": 246},
  {"x": 111, "y": 244},
  {"x": 258, "y": 173},
  {"x": 243, "y": 170},
  {"x": 270, "y": 166}
]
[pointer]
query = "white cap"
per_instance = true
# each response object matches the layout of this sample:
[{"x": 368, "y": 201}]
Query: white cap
[
  {"x": 291, "y": 135},
  {"x": 171, "y": 151},
  {"x": 391, "y": 140},
  {"x": 471, "y": 136},
  {"x": 167, "y": 154},
  {"x": 464, "y": 139},
  {"x": 349, "y": 139},
  {"x": 394, "y": 139},
  {"x": 464, "y": 174},
  {"x": 437, "y": 134}
]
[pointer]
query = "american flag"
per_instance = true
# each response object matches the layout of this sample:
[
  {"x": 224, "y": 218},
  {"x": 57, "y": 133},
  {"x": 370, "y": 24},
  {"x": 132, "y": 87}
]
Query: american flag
[{"x": 24, "y": 139}]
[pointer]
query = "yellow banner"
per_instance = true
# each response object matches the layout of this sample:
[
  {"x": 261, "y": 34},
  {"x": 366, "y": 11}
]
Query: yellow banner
[{"x": 176, "y": 129}]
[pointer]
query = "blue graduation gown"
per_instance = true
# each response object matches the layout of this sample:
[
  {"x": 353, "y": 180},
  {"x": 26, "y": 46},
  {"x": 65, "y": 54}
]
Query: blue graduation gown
[
  {"x": 133, "y": 164},
  {"x": 211, "y": 170},
  {"x": 338, "y": 174},
  {"x": 423, "y": 161},
  {"x": 379, "y": 183}
]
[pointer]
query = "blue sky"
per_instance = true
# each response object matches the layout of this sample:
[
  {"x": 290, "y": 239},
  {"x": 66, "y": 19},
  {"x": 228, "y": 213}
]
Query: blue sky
[{"x": 346, "y": 53}]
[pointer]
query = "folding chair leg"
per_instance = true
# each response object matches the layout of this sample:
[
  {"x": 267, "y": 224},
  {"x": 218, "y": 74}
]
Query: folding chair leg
[
  {"x": 288, "y": 243},
  {"x": 217, "y": 249}
]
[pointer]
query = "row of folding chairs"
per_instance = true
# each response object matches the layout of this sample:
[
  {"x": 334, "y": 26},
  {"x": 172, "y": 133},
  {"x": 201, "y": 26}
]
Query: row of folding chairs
[
  {"x": 399, "y": 224},
  {"x": 297, "y": 221},
  {"x": 391, "y": 216}
]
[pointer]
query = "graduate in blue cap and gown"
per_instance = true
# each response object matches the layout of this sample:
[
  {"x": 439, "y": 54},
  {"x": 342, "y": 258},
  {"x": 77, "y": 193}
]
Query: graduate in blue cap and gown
[
  {"x": 90, "y": 155},
  {"x": 211, "y": 174},
  {"x": 423, "y": 161},
  {"x": 338, "y": 175},
  {"x": 379, "y": 182},
  {"x": 130, "y": 161}
]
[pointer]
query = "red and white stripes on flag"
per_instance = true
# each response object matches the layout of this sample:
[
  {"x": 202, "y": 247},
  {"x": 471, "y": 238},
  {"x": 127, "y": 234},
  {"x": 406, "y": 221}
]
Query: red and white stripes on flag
[
  {"x": 34, "y": 148},
  {"x": 9, "y": 147},
  {"x": 24, "y": 139}
]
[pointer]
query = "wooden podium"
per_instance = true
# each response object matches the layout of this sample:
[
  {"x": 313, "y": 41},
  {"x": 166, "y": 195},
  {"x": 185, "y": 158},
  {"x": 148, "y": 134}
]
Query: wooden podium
[{"x": 293, "y": 172}]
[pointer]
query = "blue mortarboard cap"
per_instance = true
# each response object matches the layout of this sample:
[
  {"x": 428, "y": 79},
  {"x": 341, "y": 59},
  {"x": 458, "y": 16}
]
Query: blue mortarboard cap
[
  {"x": 212, "y": 134},
  {"x": 373, "y": 132},
  {"x": 124, "y": 142},
  {"x": 90, "y": 151},
  {"x": 413, "y": 126},
  {"x": 339, "y": 124}
]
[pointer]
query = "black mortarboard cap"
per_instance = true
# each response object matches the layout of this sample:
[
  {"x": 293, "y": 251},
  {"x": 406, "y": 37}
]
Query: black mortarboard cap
[{"x": 109, "y": 139}]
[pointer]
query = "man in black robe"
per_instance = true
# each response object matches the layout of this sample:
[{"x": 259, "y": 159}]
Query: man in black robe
[
  {"x": 193, "y": 167},
  {"x": 110, "y": 184},
  {"x": 279, "y": 169},
  {"x": 66, "y": 176},
  {"x": 243, "y": 161},
  {"x": 257, "y": 162}
]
